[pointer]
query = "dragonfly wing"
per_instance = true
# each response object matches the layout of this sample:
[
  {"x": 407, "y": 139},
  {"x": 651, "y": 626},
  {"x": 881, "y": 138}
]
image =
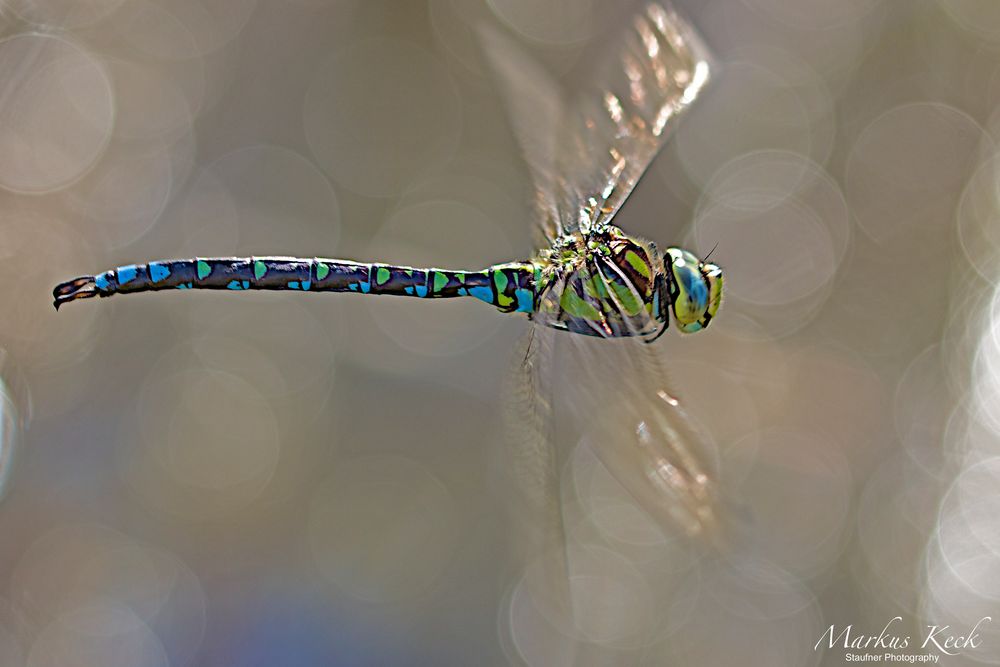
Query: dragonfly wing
[
  {"x": 532, "y": 457},
  {"x": 537, "y": 112},
  {"x": 620, "y": 403},
  {"x": 586, "y": 159},
  {"x": 618, "y": 393},
  {"x": 658, "y": 71},
  {"x": 534, "y": 464}
]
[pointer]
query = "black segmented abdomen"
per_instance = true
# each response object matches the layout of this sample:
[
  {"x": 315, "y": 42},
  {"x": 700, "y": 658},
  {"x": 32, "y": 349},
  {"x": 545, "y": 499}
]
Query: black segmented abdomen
[{"x": 509, "y": 287}]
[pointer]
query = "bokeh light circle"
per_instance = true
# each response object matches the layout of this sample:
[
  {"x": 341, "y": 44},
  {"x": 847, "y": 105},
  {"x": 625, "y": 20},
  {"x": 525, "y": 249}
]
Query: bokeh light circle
[
  {"x": 905, "y": 166},
  {"x": 66, "y": 14},
  {"x": 425, "y": 235},
  {"x": 378, "y": 130},
  {"x": 382, "y": 528},
  {"x": 767, "y": 200},
  {"x": 279, "y": 195},
  {"x": 57, "y": 113},
  {"x": 206, "y": 444}
]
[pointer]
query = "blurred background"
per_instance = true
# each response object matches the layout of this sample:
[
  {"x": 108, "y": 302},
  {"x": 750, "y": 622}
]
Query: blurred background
[{"x": 287, "y": 479}]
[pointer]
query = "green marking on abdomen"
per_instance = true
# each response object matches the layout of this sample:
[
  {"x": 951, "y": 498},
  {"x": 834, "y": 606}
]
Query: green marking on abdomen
[
  {"x": 500, "y": 280},
  {"x": 510, "y": 287}
]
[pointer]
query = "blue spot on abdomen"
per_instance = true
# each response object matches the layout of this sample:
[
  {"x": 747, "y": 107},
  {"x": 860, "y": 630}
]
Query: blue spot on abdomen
[
  {"x": 126, "y": 274},
  {"x": 158, "y": 271},
  {"x": 482, "y": 293}
]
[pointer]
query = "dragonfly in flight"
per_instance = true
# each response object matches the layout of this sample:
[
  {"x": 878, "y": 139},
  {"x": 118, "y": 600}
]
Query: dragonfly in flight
[{"x": 611, "y": 293}]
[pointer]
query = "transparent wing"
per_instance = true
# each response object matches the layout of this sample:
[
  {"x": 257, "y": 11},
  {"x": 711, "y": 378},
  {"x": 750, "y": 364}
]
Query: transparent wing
[
  {"x": 585, "y": 160},
  {"x": 587, "y": 157},
  {"x": 617, "y": 394},
  {"x": 532, "y": 457},
  {"x": 657, "y": 72},
  {"x": 538, "y": 116},
  {"x": 534, "y": 464},
  {"x": 610, "y": 395}
]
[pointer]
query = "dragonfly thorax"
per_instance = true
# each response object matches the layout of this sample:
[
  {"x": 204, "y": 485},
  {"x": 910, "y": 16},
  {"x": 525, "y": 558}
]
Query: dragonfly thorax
[{"x": 605, "y": 283}]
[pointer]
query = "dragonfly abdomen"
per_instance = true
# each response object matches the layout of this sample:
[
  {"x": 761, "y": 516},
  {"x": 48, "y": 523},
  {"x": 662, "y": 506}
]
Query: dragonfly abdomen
[{"x": 509, "y": 287}]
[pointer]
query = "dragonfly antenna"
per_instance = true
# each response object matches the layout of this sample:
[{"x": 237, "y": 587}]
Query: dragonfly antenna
[{"x": 711, "y": 251}]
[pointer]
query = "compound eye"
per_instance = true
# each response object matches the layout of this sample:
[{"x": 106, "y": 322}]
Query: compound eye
[
  {"x": 713, "y": 274},
  {"x": 697, "y": 290},
  {"x": 692, "y": 300}
]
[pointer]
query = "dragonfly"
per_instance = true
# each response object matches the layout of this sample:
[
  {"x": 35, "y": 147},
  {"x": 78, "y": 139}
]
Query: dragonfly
[{"x": 591, "y": 289}]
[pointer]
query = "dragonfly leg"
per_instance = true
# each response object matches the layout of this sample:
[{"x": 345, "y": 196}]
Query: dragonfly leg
[{"x": 78, "y": 288}]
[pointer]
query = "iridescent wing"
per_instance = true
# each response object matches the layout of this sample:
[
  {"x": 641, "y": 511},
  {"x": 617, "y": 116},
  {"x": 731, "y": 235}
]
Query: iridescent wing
[
  {"x": 586, "y": 158},
  {"x": 659, "y": 71},
  {"x": 537, "y": 112},
  {"x": 611, "y": 396},
  {"x": 630, "y": 417},
  {"x": 617, "y": 393},
  {"x": 534, "y": 465}
]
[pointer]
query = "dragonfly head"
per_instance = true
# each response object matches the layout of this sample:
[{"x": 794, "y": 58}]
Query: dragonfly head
[{"x": 695, "y": 289}]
